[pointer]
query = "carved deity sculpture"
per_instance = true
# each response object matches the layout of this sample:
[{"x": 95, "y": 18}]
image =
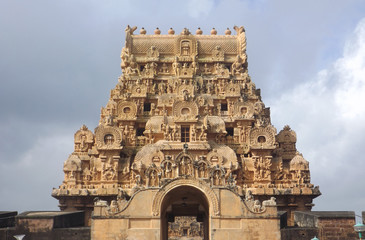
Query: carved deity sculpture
[
  {"x": 185, "y": 166},
  {"x": 217, "y": 54},
  {"x": 217, "y": 177},
  {"x": 153, "y": 52},
  {"x": 262, "y": 168},
  {"x": 176, "y": 67},
  {"x": 238, "y": 67},
  {"x": 202, "y": 170}
]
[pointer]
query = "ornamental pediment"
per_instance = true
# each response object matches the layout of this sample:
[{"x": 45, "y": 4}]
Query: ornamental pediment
[
  {"x": 263, "y": 137},
  {"x": 84, "y": 139},
  {"x": 185, "y": 110},
  {"x": 126, "y": 110},
  {"x": 243, "y": 110},
  {"x": 186, "y": 47},
  {"x": 108, "y": 138}
]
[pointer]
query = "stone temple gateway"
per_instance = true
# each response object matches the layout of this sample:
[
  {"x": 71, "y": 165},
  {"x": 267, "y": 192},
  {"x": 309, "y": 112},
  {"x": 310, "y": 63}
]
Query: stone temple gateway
[{"x": 185, "y": 147}]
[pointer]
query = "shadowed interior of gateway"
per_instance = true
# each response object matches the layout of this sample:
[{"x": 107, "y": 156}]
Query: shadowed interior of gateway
[{"x": 185, "y": 213}]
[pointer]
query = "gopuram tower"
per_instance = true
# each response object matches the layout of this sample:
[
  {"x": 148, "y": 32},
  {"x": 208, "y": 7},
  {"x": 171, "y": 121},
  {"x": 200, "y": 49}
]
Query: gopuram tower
[{"x": 185, "y": 147}]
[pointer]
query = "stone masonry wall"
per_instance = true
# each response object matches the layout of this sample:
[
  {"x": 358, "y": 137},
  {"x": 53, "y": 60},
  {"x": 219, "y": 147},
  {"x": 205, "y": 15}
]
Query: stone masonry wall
[{"x": 336, "y": 229}]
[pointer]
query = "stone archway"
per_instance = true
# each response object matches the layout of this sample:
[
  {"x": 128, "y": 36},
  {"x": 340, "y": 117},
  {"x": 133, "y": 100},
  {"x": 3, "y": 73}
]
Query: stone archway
[
  {"x": 202, "y": 186},
  {"x": 185, "y": 213},
  {"x": 187, "y": 199}
]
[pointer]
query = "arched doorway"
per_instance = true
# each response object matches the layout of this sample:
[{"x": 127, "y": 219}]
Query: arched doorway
[{"x": 185, "y": 214}]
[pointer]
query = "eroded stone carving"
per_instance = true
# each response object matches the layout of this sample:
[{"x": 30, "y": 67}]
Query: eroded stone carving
[{"x": 84, "y": 139}]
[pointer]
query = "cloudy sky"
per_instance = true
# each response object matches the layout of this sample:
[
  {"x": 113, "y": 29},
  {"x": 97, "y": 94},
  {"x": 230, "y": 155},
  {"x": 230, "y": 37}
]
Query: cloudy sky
[{"x": 59, "y": 60}]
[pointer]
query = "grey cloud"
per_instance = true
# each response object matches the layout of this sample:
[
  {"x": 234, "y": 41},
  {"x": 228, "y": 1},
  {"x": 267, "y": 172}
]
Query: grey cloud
[{"x": 59, "y": 61}]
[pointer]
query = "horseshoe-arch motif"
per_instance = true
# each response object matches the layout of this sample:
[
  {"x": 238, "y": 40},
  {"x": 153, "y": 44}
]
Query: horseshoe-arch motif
[{"x": 200, "y": 185}]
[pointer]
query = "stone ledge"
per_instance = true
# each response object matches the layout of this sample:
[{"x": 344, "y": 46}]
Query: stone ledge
[{"x": 329, "y": 214}]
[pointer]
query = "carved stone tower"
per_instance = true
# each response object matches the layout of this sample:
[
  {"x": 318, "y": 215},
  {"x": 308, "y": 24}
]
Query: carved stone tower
[{"x": 185, "y": 147}]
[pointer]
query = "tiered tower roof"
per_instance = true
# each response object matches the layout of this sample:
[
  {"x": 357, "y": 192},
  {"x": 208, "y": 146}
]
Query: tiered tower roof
[{"x": 185, "y": 107}]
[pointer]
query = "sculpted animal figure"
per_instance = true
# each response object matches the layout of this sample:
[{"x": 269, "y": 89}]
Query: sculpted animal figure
[{"x": 270, "y": 202}]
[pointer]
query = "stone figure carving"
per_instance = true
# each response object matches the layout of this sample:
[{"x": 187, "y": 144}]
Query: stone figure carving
[
  {"x": 237, "y": 67},
  {"x": 262, "y": 168},
  {"x": 164, "y": 68},
  {"x": 206, "y": 69},
  {"x": 202, "y": 170},
  {"x": 193, "y": 133},
  {"x": 84, "y": 138},
  {"x": 99, "y": 202},
  {"x": 249, "y": 196},
  {"x": 168, "y": 169},
  {"x": 86, "y": 174},
  {"x": 125, "y": 56},
  {"x": 153, "y": 53},
  {"x": 176, "y": 67},
  {"x": 195, "y": 66},
  {"x": 270, "y": 202},
  {"x": 83, "y": 144},
  {"x": 257, "y": 206},
  {"x": 217, "y": 178},
  {"x": 218, "y": 54},
  {"x": 153, "y": 178},
  {"x": 109, "y": 170},
  {"x": 185, "y": 166},
  {"x": 221, "y": 70},
  {"x": 132, "y": 68},
  {"x": 113, "y": 208}
]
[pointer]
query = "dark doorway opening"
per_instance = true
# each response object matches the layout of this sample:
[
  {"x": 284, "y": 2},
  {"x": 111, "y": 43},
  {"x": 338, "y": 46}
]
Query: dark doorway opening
[{"x": 185, "y": 213}]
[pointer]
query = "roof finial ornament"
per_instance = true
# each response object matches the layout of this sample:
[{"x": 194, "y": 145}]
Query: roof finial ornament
[
  {"x": 228, "y": 32},
  {"x": 142, "y": 31},
  {"x": 157, "y": 31},
  {"x": 213, "y": 32},
  {"x": 239, "y": 30},
  {"x": 185, "y": 31},
  {"x": 199, "y": 31},
  {"x": 171, "y": 31},
  {"x": 130, "y": 30}
]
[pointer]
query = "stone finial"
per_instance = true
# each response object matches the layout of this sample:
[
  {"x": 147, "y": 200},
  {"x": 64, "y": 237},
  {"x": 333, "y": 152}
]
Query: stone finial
[
  {"x": 228, "y": 32},
  {"x": 143, "y": 31},
  {"x": 171, "y": 31},
  {"x": 185, "y": 31},
  {"x": 239, "y": 30},
  {"x": 199, "y": 31},
  {"x": 157, "y": 31},
  {"x": 213, "y": 32},
  {"x": 130, "y": 30}
]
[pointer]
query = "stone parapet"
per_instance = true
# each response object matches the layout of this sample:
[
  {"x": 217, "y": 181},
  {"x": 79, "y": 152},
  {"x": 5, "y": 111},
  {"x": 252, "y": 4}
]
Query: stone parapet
[{"x": 331, "y": 225}]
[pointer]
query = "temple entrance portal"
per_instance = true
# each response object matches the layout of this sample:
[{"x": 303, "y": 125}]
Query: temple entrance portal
[{"x": 185, "y": 214}]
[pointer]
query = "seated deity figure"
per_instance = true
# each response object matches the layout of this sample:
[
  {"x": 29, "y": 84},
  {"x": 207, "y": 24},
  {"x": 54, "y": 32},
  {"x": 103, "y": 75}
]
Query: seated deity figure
[{"x": 237, "y": 66}]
